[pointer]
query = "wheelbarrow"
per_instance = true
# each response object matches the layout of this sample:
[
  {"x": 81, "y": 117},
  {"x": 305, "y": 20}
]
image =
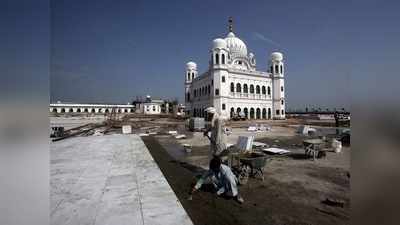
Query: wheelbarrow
[{"x": 251, "y": 164}]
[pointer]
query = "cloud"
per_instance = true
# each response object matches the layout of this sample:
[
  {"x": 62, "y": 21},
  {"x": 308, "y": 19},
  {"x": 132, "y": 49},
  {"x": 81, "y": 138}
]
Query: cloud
[{"x": 260, "y": 37}]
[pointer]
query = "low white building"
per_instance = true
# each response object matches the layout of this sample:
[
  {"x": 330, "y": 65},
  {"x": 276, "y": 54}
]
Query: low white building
[
  {"x": 149, "y": 106},
  {"x": 232, "y": 84},
  {"x": 65, "y": 108}
]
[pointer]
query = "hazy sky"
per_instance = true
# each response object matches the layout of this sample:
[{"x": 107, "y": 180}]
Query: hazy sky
[{"x": 112, "y": 51}]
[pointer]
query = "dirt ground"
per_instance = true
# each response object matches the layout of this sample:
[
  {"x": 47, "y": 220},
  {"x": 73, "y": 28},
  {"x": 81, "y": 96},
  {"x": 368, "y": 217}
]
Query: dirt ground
[{"x": 292, "y": 192}]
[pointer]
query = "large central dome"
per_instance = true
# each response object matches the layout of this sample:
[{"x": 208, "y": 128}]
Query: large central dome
[{"x": 236, "y": 46}]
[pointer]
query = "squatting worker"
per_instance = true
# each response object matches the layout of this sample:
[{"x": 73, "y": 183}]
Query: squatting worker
[
  {"x": 222, "y": 178},
  {"x": 217, "y": 139}
]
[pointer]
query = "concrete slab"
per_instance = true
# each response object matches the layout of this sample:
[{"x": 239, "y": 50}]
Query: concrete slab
[{"x": 110, "y": 179}]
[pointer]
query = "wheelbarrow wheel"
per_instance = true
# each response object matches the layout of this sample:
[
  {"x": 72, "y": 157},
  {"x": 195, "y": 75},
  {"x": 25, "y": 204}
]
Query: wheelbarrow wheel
[{"x": 244, "y": 174}]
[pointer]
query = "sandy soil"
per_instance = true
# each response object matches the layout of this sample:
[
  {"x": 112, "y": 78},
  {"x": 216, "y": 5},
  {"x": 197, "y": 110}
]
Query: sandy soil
[{"x": 292, "y": 192}]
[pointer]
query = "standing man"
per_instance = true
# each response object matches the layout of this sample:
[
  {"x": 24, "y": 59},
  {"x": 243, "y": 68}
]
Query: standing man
[
  {"x": 217, "y": 139},
  {"x": 336, "y": 116}
]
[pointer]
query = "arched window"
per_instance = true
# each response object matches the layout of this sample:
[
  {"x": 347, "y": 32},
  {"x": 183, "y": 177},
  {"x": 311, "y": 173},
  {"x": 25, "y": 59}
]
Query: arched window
[
  {"x": 263, "y": 90},
  {"x": 282, "y": 102},
  {"x": 188, "y": 97},
  {"x": 238, "y": 88},
  {"x": 71, "y": 110},
  {"x": 217, "y": 58},
  {"x": 283, "y": 112},
  {"x": 264, "y": 113},
  {"x": 107, "y": 111},
  {"x": 269, "y": 113},
  {"x": 245, "y": 90},
  {"x": 276, "y": 68},
  {"x": 192, "y": 76},
  {"x": 232, "y": 87},
  {"x": 258, "y": 113},
  {"x": 126, "y": 110},
  {"x": 188, "y": 77},
  {"x": 272, "y": 68},
  {"x": 54, "y": 110},
  {"x": 223, "y": 58},
  {"x": 63, "y": 110},
  {"x": 232, "y": 112},
  {"x": 258, "y": 89},
  {"x": 269, "y": 90},
  {"x": 209, "y": 89},
  {"x": 93, "y": 111},
  {"x": 251, "y": 89},
  {"x": 281, "y": 88},
  {"x": 86, "y": 110},
  {"x": 281, "y": 71},
  {"x": 238, "y": 110},
  {"x": 78, "y": 110}
]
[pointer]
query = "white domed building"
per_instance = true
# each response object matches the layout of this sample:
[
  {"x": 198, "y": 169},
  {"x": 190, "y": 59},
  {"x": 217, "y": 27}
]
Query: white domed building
[{"x": 233, "y": 85}]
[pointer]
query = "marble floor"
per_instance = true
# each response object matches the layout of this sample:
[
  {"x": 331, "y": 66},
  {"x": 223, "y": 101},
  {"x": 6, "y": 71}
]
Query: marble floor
[{"x": 109, "y": 180}]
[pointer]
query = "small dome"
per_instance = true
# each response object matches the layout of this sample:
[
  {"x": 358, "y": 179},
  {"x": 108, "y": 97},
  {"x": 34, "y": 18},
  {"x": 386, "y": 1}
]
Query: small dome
[
  {"x": 219, "y": 43},
  {"x": 236, "y": 46},
  {"x": 277, "y": 56},
  {"x": 191, "y": 65}
]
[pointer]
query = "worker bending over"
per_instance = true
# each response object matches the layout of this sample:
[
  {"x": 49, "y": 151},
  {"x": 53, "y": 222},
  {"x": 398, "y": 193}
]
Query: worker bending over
[{"x": 222, "y": 178}]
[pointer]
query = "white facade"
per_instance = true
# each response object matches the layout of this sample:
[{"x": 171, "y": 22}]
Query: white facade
[
  {"x": 90, "y": 108},
  {"x": 151, "y": 108},
  {"x": 232, "y": 83}
]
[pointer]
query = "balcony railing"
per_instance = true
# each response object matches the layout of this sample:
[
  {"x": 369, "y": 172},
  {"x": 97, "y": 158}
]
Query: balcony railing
[{"x": 249, "y": 95}]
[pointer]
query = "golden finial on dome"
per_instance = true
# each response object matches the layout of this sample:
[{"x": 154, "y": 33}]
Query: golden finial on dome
[{"x": 230, "y": 24}]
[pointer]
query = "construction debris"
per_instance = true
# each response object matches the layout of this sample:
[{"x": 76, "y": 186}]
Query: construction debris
[
  {"x": 259, "y": 144},
  {"x": 334, "y": 202},
  {"x": 306, "y": 130},
  {"x": 187, "y": 147},
  {"x": 278, "y": 151},
  {"x": 245, "y": 143},
  {"x": 181, "y": 136},
  {"x": 126, "y": 129},
  {"x": 336, "y": 145}
]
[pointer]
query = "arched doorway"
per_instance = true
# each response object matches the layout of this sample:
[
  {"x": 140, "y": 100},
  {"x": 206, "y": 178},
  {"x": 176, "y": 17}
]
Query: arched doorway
[
  {"x": 92, "y": 111},
  {"x": 246, "y": 112},
  {"x": 78, "y": 110},
  {"x": 71, "y": 110},
  {"x": 251, "y": 113},
  {"x": 269, "y": 113},
  {"x": 54, "y": 110},
  {"x": 107, "y": 111},
  {"x": 264, "y": 113},
  {"x": 258, "y": 113},
  {"x": 232, "y": 112},
  {"x": 63, "y": 110},
  {"x": 238, "y": 110},
  {"x": 86, "y": 110}
]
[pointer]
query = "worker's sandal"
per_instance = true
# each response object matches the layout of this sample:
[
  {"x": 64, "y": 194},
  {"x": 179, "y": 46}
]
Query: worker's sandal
[{"x": 239, "y": 199}]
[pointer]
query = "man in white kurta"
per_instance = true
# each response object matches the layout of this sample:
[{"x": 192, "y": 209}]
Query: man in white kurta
[
  {"x": 222, "y": 178},
  {"x": 217, "y": 139}
]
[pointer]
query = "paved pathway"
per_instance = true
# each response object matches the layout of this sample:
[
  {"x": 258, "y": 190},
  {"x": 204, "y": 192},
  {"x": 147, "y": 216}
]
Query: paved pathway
[{"x": 109, "y": 180}]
